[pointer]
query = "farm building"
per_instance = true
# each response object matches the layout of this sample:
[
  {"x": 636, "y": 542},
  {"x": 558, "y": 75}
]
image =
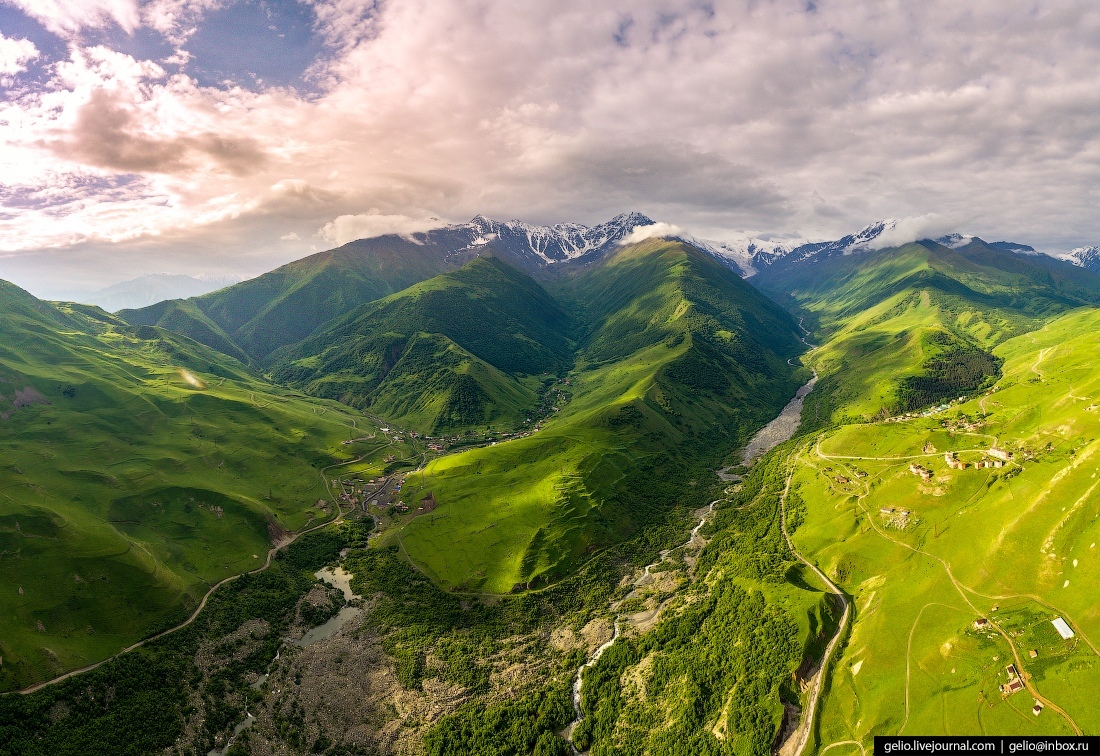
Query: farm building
[
  {"x": 923, "y": 472},
  {"x": 1033, "y": 653},
  {"x": 1063, "y": 629},
  {"x": 981, "y": 622}
]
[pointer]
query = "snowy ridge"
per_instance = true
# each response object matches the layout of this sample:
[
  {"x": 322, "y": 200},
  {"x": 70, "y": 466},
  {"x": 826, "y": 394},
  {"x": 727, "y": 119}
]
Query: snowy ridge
[
  {"x": 561, "y": 242},
  {"x": 746, "y": 256},
  {"x": 1085, "y": 257},
  {"x": 750, "y": 256}
]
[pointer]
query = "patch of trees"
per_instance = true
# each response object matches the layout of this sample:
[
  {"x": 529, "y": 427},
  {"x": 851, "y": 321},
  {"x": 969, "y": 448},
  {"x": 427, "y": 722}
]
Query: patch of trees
[
  {"x": 957, "y": 371},
  {"x": 721, "y": 660}
]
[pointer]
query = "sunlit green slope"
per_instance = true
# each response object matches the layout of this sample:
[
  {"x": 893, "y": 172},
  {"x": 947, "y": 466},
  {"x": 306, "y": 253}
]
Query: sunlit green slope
[
  {"x": 911, "y": 327},
  {"x": 459, "y": 350},
  {"x": 680, "y": 361},
  {"x": 925, "y": 559},
  {"x": 136, "y": 468}
]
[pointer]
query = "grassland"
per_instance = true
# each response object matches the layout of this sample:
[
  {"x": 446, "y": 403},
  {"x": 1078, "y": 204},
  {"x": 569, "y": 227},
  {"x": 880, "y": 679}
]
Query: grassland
[
  {"x": 461, "y": 350},
  {"x": 923, "y": 560},
  {"x": 138, "y": 468},
  {"x": 679, "y": 361}
]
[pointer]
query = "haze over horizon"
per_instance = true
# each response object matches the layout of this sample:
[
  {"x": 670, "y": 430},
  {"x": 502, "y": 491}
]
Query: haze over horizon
[{"x": 211, "y": 137}]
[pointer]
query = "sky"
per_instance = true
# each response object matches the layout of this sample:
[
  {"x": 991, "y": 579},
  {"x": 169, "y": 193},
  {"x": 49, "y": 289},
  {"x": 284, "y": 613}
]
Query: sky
[{"x": 226, "y": 137}]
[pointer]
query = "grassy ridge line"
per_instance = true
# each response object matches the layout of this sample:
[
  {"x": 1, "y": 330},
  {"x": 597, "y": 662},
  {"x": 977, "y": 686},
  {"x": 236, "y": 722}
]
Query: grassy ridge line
[{"x": 457, "y": 351}]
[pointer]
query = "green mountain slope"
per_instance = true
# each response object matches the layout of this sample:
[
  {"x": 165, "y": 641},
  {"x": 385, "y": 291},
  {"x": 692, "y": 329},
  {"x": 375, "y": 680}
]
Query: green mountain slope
[
  {"x": 925, "y": 557},
  {"x": 136, "y": 468},
  {"x": 680, "y": 361},
  {"x": 451, "y": 352},
  {"x": 913, "y": 326},
  {"x": 287, "y": 304}
]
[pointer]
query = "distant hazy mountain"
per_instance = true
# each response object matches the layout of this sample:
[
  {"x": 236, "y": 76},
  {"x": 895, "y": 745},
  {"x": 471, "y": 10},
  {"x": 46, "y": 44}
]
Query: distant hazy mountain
[
  {"x": 751, "y": 256},
  {"x": 152, "y": 288}
]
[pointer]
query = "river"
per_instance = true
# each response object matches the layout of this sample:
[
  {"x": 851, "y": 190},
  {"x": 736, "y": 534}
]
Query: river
[{"x": 767, "y": 438}]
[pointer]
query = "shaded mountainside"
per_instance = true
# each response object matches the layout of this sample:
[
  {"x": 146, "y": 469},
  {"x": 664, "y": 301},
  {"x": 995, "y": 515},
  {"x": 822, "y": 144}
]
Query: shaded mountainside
[
  {"x": 136, "y": 468},
  {"x": 913, "y": 326},
  {"x": 282, "y": 307},
  {"x": 679, "y": 361},
  {"x": 286, "y": 305},
  {"x": 448, "y": 352}
]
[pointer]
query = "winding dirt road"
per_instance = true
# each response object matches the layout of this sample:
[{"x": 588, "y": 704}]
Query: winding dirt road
[
  {"x": 202, "y": 604},
  {"x": 796, "y": 743}
]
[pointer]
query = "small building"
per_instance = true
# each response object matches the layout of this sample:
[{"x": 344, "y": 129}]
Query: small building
[
  {"x": 886, "y": 511},
  {"x": 1011, "y": 670},
  {"x": 1062, "y": 627},
  {"x": 1033, "y": 653},
  {"x": 981, "y": 622},
  {"x": 1037, "y": 709},
  {"x": 1014, "y": 687}
]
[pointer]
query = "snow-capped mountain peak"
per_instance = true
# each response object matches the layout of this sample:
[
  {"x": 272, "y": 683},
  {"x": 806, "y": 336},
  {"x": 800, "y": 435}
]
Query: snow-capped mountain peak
[
  {"x": 1085, "y": 257},
  {"x": 549, "y": 245}
]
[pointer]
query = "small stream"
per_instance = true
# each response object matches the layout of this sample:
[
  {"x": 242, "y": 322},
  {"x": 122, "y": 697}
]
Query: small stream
[
  {"x": 767, "y": 438},
  {"x": 337, "y": 578}
]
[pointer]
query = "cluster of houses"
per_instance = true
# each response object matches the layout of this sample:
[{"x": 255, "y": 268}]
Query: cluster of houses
[
  {"x": 995, "y": 458},
  {"x": 919, "y": 470}
]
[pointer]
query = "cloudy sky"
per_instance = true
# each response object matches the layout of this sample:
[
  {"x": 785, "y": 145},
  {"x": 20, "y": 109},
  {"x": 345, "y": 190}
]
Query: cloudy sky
[{"x": 230, "y": 136}]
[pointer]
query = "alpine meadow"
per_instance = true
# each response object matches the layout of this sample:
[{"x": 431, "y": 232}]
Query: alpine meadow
[{"x": 754, "y": 410}]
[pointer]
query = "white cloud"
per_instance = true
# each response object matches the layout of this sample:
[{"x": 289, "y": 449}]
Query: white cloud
[
  {"x": 348, "y": 228},
  {"x": 14, "y": 55},
  {"x": 292, "y": 236},
  {"x": 714, "y": 116},
  {"x": 66, "y": 17},
  {"x": 906, "y": 230},
  {"x": 657, "y": 230}
]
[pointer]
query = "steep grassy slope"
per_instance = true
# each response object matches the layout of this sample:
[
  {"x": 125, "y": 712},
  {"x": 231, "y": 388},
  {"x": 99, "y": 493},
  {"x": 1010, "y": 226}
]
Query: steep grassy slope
[
  {"x": 286, "y": 305},
  {"x": 925, "y": 559},
  {"x": 913, "y": 326},
  {"x": 680, "y": 361},
  {"x": 449, "y": 353},
  {"x": 136, "y": 468}
]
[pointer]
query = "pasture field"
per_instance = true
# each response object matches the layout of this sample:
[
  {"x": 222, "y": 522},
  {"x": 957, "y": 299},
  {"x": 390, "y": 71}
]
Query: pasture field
[
  {"x": 924, "y": 560},
  {"x": 518, "y": 509},
  {"x": 145, "y": 469}
]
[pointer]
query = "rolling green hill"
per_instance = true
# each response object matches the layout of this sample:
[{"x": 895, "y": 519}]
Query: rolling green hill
[
  {"x": 137, "y": 467},
  {"x": 286, "y": 305},
  {"x": 679, "y": 361},
  {"x": 912, "y": 326},
  {"x": 458, "y": 350}
]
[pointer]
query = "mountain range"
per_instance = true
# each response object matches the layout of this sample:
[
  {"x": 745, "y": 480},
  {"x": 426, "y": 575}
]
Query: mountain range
[{"x": 528, "y": 416}]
